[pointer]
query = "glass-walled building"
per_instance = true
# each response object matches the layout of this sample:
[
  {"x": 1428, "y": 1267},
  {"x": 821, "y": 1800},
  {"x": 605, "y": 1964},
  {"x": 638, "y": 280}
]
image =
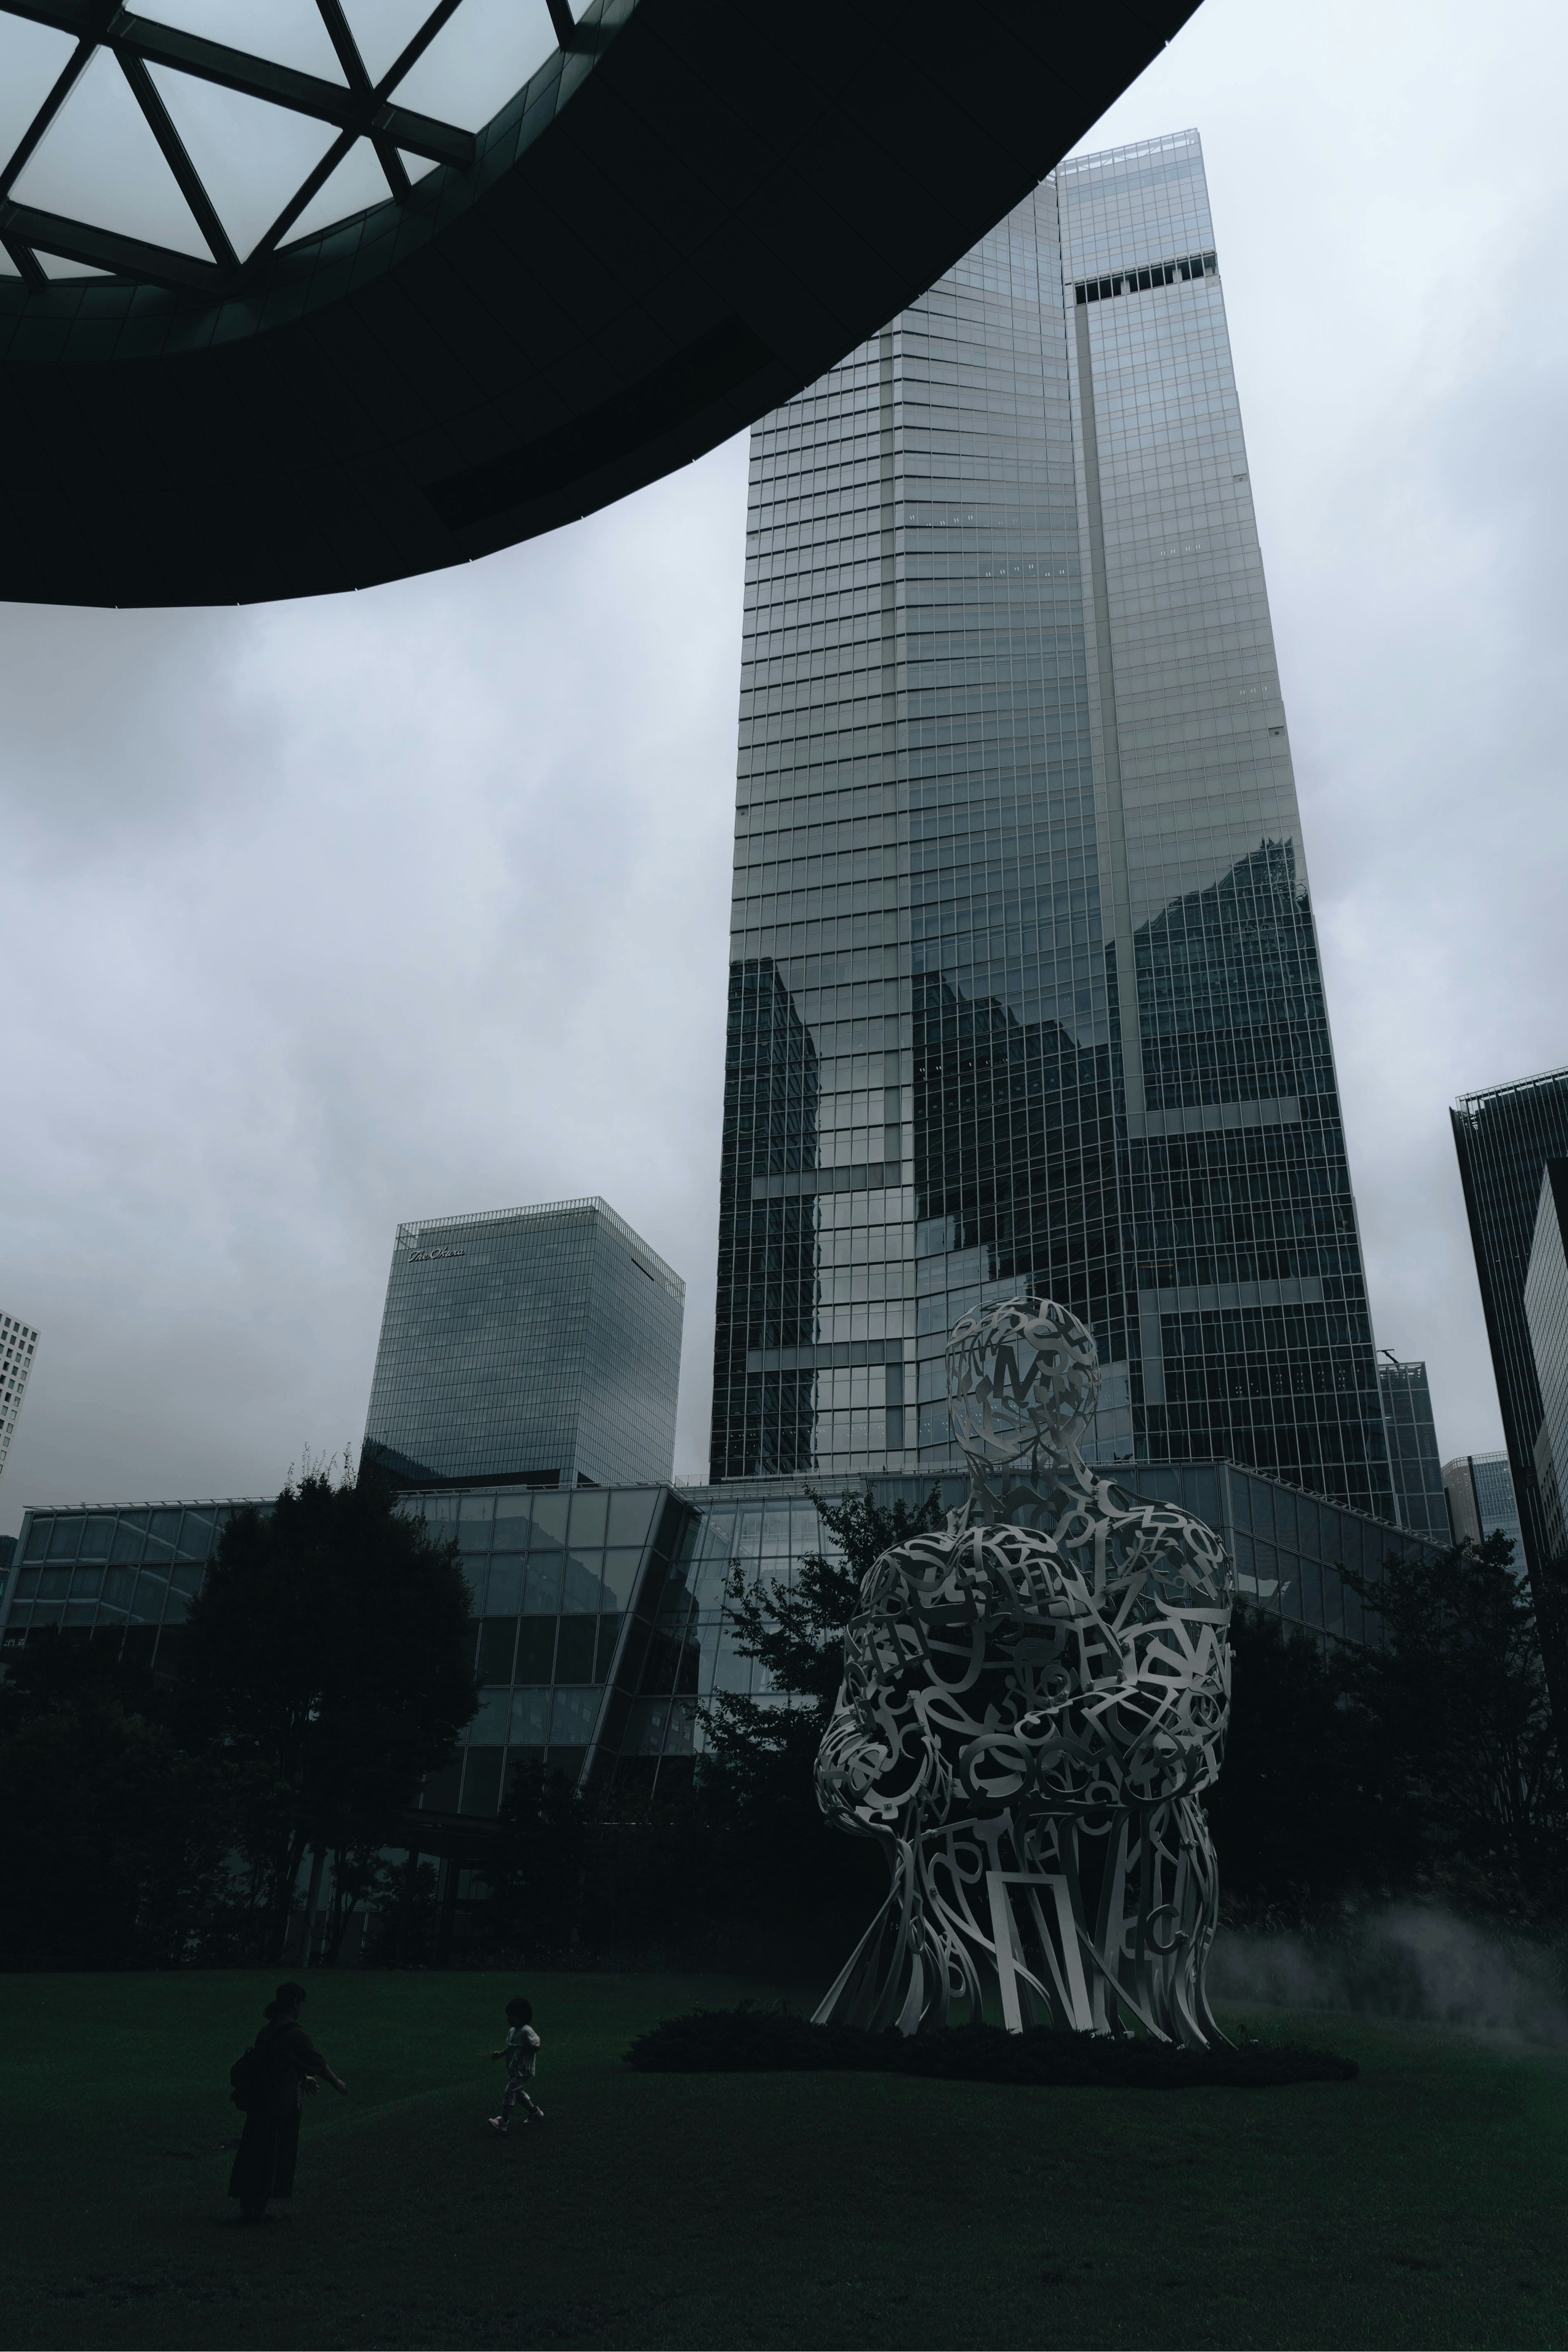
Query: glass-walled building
[
  {"x": 1481, "y": 1500},
  {"x": 125, "y": 1574},
  {"x": 1024, "y": 988},
  {"x": 538, "y": 1344},
  {"x": 599, "y": 1625},
  {"x": 1413, "y": 1456},
  {"x": 1504, "y": 1137}
]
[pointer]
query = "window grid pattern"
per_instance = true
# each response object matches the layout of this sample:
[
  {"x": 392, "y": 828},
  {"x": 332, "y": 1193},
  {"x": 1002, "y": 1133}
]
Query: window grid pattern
[
  {"x": 1024, "y": 981},
  {"x": 601, "y": 1624},
  {"x": 1413, "y": 1455},
  {"x": 1481, "y": 1500},
  {"x": 542, "y": 1343},
  {"x": 1504, "y": 1137},
  {"x": 1243, "y": 1262},
  {"x": 19, "y": 1347},
  {"x": 120, "y": 1573},
  {"x": 1546, "y": 1313}
]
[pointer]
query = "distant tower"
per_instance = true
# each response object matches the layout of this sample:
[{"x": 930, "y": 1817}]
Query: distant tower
[
  {"x": 1481, "y": 1503},
  {"x": 1413, "y": 1455},
  {"x": 18, "y": 1341},
  {"x": 1546, "y": 1312},
  {"x": 534, "y": 1347},
  {"x": 1504, "y": 1137}
]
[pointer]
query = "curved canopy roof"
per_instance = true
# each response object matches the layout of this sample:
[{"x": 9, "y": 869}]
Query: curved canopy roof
[{"x": 301, "y": 294}]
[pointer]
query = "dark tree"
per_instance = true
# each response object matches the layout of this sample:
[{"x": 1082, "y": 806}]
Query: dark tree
[
  {"x": 540, "y": 1865},
  {"x": 758, "y": 1781},
  {"x": 1426, "y": 1765},
  {"x": 796, "y": 1633},
  {"x": 330, "y": 1653},
  {"x": 114, "y": 1839},
  {"x": 1301, "y": 1813},
  {"x": 1458, "y": 1706}
]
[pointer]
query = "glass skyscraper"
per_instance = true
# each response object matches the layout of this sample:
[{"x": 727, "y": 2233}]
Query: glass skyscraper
[
  {"x": 18, "y": 1345},
  {"x": 1413, "y": 1456},
  {"x": 1546, "y": 1313},
  {"x": 1024, "y": 987},
  {"x": 528, "y": 1346},
  {"x": 1481, "y": 1500},
  {"x": 1504, "y": 1137}
]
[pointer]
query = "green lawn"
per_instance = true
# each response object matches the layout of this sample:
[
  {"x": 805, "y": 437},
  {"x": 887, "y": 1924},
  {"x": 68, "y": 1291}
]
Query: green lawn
[{"x": 1422, "y": 2205}]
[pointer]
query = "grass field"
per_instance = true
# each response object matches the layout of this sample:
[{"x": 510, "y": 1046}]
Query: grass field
[{"x": 1422, "y": 2205}]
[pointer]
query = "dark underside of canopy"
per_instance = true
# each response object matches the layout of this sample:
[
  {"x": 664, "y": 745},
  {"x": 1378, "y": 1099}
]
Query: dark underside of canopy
[{"x": 690, "y": 213}]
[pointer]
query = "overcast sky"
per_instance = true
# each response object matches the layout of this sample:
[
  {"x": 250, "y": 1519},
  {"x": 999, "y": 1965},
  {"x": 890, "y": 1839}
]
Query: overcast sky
[{"x": 319, "y": 916}]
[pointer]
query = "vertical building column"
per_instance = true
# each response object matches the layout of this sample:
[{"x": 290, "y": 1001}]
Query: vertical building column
[{"x": 1099, "y": 616}]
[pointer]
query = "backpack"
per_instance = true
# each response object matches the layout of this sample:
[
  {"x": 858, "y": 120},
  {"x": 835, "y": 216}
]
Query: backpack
[{"x": 250, "y": 2075}]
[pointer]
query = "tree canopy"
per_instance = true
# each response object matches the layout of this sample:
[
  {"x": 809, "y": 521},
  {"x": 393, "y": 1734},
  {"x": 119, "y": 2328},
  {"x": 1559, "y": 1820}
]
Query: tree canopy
[{"x": 329, "y": 1653}]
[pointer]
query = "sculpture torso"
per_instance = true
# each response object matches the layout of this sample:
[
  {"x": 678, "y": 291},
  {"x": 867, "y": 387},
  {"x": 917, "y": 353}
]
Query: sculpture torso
[
  {"x": 1077, "y": 1658},
  {"x": 1050, "y": 1666}
]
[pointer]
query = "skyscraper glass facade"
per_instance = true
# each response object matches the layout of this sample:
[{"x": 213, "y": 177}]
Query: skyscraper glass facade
[
  {"x": 18, "y": 1345},
  {"x": 1024, "y": 986},
  {"x": 1481, "y": 1500},
  {"x": 1504, "y": 1137},
  {"x": 600, "y": 1619},
  {"x": 1546, "y": 1313},
  {"x": 540, "y": 1344},
  {"x": 1413, "y": 1456}
]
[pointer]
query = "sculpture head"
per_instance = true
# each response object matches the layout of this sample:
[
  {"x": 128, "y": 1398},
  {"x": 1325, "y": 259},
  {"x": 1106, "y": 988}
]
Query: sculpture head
[{"x": 1023, "y": 1378}]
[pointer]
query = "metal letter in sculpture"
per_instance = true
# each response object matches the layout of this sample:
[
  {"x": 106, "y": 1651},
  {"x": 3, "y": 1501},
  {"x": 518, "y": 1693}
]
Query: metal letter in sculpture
[{"x": 1032, "y": 1702}]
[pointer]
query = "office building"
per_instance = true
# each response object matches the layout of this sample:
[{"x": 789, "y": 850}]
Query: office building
[
  {"x": 600, "y": 1617},
  {"x": 1504, "y": 1137},
  {"x": 538, "y": 1346},
  {"x": 1413, "y": 1456},
  {"x": 1546, "y": 1314},
  {"x": 1024, "y": 988},
  {"x": 18, "y": 1345},
  {"x": 1481, "y": 1501}
]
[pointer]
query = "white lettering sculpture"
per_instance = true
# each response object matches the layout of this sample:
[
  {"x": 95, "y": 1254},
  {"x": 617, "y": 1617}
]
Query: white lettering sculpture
[{"x": 1032, "y": 1701}]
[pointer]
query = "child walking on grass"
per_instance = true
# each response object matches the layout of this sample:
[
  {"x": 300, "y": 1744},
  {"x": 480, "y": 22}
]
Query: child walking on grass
[{"x": 520, "y": 2049}]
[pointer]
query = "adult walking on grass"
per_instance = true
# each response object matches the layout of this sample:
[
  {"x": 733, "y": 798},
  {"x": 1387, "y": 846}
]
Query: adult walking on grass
[{"x": 270, "y": 2083}]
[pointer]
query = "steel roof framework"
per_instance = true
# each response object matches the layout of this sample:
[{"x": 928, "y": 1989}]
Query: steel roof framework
[
  {"x": 358, "y": 107},
  {"x": 685, "y": 212}
]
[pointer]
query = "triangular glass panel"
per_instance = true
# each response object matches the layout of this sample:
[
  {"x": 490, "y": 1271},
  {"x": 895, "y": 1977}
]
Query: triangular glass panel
[
  {"x": 251, "y": 156},
  {"x": 32, "y": 58},
  {"x": 416, "y": 166},
  {"x": 7, "y": 267},
  {"x": 55, "y": 264},
  {"x": 290, "y": 32},
  {"x": 382, "y": 29},
  {"x": 480, "y": 59},
  {"x": 99, "y": 162},
  {"x": 358, "y": 183}
]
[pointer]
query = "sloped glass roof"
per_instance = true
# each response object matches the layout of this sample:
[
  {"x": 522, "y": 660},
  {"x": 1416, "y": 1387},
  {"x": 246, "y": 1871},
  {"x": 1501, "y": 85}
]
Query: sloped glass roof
[{"x": 185, "y": 146}]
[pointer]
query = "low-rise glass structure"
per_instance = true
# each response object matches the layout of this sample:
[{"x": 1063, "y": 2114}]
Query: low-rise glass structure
[
  {"x": 538, "y": 1346},
  {"x": 1546, "y": 1313},
  {"x": 124, "y": 1573},
  {"x": 1413, "y": 1454},
  {"x": 599, "y": 1623}
]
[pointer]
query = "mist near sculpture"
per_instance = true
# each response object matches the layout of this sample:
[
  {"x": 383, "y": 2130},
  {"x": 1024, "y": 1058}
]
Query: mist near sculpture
[{"x": 1407, "y": 1961}]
